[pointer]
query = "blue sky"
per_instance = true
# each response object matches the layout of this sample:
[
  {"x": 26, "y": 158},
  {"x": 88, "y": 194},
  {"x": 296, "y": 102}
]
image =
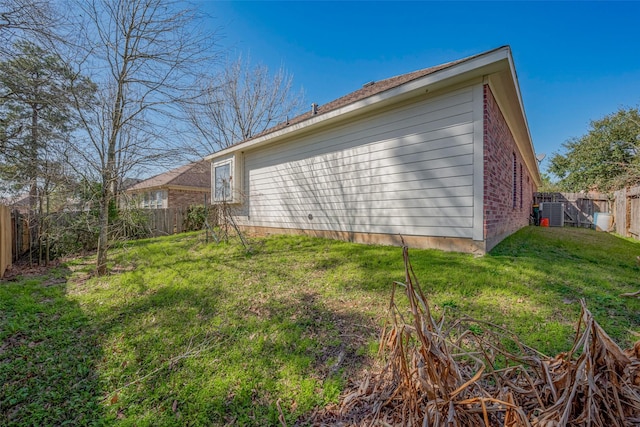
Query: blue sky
[{"x": 576, "y": 61}]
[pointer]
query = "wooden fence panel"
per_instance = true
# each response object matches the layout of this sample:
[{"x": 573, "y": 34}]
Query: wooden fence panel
[
  {"x": 167, "y": 221},
  {"x": 6, "y": 239},
  {"x": 632, "y": 209},
  {"x": 159, "y": 223},
  {"x": 620, "y": 214},
  {"x": 634, "y": 217},
  {"x": 627, "y": 212}
]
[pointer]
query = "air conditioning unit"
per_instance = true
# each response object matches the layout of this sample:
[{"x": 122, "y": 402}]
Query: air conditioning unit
[{"x": 554, "y": 211}]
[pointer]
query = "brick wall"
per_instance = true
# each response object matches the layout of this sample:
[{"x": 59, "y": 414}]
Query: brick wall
[
  {"x": 508, "y": 196},
  {"x": 182, "y": 198}
]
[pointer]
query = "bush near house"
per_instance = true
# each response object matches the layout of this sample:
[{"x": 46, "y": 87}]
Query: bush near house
[{"x": 188, "y": 333}]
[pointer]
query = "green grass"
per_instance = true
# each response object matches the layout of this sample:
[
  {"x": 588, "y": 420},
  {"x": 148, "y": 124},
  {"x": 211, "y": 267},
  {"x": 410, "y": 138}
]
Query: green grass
[{"x": 188, "y": 333}]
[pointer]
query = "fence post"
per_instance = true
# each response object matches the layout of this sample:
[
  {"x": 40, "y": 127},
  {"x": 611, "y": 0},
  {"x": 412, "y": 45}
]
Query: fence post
[
  {"x": 6, "y": 239},
  {"x": 206, "y": 216}
]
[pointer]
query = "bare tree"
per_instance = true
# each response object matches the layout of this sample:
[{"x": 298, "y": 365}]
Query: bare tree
[
  {"x": 241, "y": 102},
  {"x": 33, "y": 20},
  {"x": 144, "y": 55}
]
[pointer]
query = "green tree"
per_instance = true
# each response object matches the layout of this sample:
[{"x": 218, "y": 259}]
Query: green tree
[
  {"x": 37, "y": 117},
  {"x": 605, "y": 159},
  {"x": 36, "y": 114},
  {"x": 548, "y": 186}
]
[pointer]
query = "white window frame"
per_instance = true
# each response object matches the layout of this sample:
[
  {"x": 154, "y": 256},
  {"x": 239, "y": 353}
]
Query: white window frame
[
  {"x": 231, "y": 185},
  {"x": 153, "y": 199}
]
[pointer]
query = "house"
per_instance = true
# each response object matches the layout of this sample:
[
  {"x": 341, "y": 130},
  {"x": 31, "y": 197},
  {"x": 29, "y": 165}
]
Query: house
[
  {"x": 20, "y": 203},
  {"x": 181, "y": 187},
  {"x": 441, "y": 156}
]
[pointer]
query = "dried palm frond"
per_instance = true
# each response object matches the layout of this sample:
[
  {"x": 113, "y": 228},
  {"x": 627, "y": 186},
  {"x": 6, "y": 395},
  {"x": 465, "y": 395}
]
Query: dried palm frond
[{"x": 440, "y": 373}]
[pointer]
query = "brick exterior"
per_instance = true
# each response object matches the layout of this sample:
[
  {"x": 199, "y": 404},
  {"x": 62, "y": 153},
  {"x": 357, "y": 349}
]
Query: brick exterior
[
  {"x": 501, "y": 215},
  {"x": 184, "y": 198}
]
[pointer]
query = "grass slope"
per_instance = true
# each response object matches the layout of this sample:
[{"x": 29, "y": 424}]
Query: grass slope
[{"x": 188, "y": 333}]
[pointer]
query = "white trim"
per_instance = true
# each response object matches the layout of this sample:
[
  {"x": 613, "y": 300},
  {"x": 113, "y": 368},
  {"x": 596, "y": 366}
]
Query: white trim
[
  {"x": 506, "y": 91},
  {"x": 478, "y": 162},
  {"x": 214, "y": 165}
]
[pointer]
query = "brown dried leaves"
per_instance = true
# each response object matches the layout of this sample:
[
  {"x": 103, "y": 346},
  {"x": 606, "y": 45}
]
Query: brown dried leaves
[{"x": 461, "y": 374}]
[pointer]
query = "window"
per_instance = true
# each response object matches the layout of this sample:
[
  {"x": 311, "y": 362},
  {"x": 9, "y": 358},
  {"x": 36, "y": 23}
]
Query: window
[
  {"x": 521, "y": 186},
  {"x": 153, "y": 199},
  {"x": 515, "y": 183},
  {"x": 226, "y": 179},
  {"x": 222, "y": 183}
]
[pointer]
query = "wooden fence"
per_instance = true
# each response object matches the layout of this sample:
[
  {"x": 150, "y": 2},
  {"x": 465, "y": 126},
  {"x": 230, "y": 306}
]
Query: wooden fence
[
  {"x": 162, "y": 222},
  {"x": 627, "y": 212},
  {"x": 579, "y": 208},
  {"x": 21, "y": 234},
  {"x": 166, "y": 221},
  {"x": 5, "y": 239},
  {"x": 15, "y": 234}
]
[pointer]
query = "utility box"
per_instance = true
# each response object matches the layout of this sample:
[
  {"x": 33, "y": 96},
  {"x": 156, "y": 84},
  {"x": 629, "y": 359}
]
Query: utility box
[{"x": 554, "y": 211}]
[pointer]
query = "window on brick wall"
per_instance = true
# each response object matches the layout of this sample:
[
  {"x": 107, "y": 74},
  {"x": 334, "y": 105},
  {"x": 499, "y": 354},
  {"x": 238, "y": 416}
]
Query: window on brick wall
[
  {"x": 154, "y": 199},
  {"x": 520, "y": 185},
  {"x": 514, "y": 189}
]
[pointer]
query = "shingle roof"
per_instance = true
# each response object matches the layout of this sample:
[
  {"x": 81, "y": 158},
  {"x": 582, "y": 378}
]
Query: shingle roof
[
  {"x": 196, "y": 174},
  {"x": 366, "y": 91}
]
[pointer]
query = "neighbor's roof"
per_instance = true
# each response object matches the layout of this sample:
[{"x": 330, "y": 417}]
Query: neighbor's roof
[{"x": 196, "y": 174}]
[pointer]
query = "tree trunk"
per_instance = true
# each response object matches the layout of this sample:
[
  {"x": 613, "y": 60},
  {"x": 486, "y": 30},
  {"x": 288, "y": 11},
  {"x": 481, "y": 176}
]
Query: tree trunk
[
  {"x": 101, "y": 263},
  {"x": 33, "y": 184}
]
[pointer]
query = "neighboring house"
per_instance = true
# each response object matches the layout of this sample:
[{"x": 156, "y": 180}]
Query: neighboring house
[
  {"x": 441, "y": 156},
  {"x": 20, "y": 203},
  {"x": 181, "y": 187}
]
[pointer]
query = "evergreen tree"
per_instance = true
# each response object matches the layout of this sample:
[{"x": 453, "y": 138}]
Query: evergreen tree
[
  {"x": 36, "y": 115},
  {"x": 38, "y": 94},
  {"x": 607, "y": 158}
]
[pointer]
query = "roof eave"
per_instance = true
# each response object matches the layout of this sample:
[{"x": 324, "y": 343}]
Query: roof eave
[
  {"x": 474, "y": 67},
  {"x": 497, "y": 64},
  {"x": 509, "y": 98}
]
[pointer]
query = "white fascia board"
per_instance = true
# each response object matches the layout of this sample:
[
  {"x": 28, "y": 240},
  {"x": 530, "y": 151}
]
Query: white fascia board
[
  {"x": 482, "y": 65},
  {"x": 516, "y": 83}
]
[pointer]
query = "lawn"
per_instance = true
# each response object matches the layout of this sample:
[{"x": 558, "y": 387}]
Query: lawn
[{"x": 188, "y": 333}]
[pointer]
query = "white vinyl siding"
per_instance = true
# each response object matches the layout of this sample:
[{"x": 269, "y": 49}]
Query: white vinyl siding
[{"x": 408, "y": 170}]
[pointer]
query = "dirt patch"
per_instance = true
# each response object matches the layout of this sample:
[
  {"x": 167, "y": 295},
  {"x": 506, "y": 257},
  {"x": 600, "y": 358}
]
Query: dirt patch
[{"x": 22, "y": 269}]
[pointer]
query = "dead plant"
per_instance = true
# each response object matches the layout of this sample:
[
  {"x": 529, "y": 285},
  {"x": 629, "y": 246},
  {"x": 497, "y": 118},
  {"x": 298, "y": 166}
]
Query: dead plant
[{"x": 472, "y": 373}]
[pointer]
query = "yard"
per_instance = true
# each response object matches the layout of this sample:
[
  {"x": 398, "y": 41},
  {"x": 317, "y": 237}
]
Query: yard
[{"x": 188, "y": 333}]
